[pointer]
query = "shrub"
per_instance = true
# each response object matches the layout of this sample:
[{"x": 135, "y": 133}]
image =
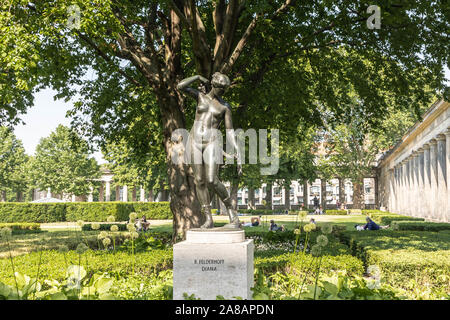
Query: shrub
[
  {"x": 32, "y": 212},
  {"x": 53, "y": 264},
  {"x": 387, "y": 220},
  {"x": 419, "y": 226},
  {"x": 297, "y": 263},
  {"x": 408, "y": 259},
  {"x": 336, "y": 212},
  {"x": 87, "y": 211},
  {"x": 104, "y": 226},
  {"x": 22, "y": 227}
]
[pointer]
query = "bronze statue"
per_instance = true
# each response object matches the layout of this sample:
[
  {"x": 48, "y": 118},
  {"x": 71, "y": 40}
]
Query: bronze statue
[{"x": 210, "y": 112}]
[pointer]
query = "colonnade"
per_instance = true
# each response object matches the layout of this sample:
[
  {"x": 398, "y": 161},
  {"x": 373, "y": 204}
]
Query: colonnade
[{"x": 419, "y": 184}]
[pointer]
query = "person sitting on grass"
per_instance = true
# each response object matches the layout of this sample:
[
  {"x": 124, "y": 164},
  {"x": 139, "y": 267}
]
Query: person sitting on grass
[
  {"x": 138, "y": 224},
  {"x": 274, "y": 227},
  {"x": 145, "y": 223},
  {"x": 312, "y": 221}
]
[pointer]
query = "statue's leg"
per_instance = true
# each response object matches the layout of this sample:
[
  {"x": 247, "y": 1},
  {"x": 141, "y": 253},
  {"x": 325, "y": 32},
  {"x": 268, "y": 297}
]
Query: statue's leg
[
  {"x": 215, "y": 184},
  {"x": 203, "y": 194}
]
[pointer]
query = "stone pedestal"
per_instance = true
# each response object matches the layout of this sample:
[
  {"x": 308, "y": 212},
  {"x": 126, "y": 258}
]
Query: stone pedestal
[{"x": 213, "y": 262}]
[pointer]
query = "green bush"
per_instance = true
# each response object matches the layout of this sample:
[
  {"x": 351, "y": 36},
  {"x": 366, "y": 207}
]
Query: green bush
[
  {"x": 419, "y": 226},
  {"x": 87, "y": 211},
  {"x": 54, "y": 264},
  {"x": 297, "y": 263},
  {"x": 22, "y": 227},
  {"x": 32, "y": 212},
  {"x": 258, "y": 211},
  {"x": 411, "y": 260},
  {"x": 104, "y": 226},
  {"x": 336, "y": 212},
  {"x": 387, "y": 220}
]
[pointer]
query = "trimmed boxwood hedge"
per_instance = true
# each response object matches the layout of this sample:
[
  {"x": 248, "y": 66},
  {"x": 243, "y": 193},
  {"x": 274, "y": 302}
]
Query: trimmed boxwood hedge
[
  {"x": 408, "y": 259},
  {"x": 87, "y": 211},
  {"x": 336, "y": 212},
  {"x": 104, "y": 226},
  {"x": 32, "y": 212},
  {"x": 387, "y": 220},
  {"x": 419, "y": 226},
  {"x": 22, "y": 227}
]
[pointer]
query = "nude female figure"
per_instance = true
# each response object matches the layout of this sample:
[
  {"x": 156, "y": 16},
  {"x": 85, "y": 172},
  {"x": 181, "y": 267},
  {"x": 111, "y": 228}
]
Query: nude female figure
[{"x": 210, "y": 112}]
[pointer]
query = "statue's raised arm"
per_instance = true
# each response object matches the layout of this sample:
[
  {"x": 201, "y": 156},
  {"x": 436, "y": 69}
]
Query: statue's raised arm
[{"x": 185, "y": 84}]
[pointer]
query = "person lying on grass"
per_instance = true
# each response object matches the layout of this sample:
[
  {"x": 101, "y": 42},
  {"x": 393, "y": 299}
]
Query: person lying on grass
[
  {"x": 370, "y": 225},
  {"x": 255, "y": 221}
]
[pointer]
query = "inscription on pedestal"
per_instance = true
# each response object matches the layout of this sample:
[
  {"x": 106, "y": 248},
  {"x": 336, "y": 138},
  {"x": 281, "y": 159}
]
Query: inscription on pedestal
[{"x": 208, "y": 270}]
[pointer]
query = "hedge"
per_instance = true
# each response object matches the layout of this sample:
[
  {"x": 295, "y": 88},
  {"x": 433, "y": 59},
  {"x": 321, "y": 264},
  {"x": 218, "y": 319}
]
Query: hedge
[
  {"x": 22, "y": 227},
  {"x": 87, "y": 211},
  {"x": 297, "y": 263},
  {"x": 104, "y": 226},
  {"x": 32, "y": 212},
  {"x": 407, "y": 259},
  {"x": 387, "y": 220},
  {"x": 336, "y": 212},
  {"x": 419, "y": 226}
]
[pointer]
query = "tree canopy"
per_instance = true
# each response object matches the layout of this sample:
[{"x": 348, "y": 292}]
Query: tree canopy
[{"x": 63, "y": 163}]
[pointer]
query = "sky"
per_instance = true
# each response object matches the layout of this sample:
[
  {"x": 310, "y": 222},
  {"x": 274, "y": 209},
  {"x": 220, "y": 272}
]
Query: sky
[{"x": 47, "y": 114}]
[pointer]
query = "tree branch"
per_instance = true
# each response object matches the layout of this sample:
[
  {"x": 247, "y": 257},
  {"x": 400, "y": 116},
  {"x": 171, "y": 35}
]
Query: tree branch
[
  {"x": 108, "y": 59},
  {"x": 226, "y": 67}
]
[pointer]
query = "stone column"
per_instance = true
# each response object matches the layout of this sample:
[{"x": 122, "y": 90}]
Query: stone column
[
  {"x": 125, "y": 193},
  {"x": 391, "y": 201},
  {"x": 415, "y": 202},
  {"x": 447, "y": 166},
  {"x": 420, "y": 185},
  {"x": 409, "y": 208},
  {"x": 441, "y": 177},
  {"x": 108, "y": 191},
  {"x": 142, "y": 195},
  {"x": 426, "y": 180},
  {"x": 433, "y": 178},
  {"x": 101, "y": 196},
  {"x": 396, "y": 189},
  {"x": 91, "y": 195},
  {"x": 401, "y": 176},
  {"x": 74, "y": 198}
]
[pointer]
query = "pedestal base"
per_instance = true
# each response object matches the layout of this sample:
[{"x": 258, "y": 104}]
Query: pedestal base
[{"x": 213, "y": 262}]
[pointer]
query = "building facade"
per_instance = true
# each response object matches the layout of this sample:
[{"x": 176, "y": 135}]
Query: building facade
[{"x": 414, "y": 175}]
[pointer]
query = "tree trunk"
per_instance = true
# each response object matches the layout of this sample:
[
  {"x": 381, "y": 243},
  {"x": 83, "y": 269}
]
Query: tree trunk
[
  {"x": 251, "y": 198},
  {"x": 3, "y": 196},
  {"x": 150, "y": 196},
  {"x": 287, "y": 197},
  {"x": 358, "y": 194},
  {"x": 234, "y": 194},
  {"x": 133, "y": 194},
  {"x": 323, "y": 193},
  {"x": 183, "y": 199},
  {"x": 19, "y": 196},
  {"x": 268, "y": 196},
  {"x": 305, "y": 194},
  {"x": 341, "y": 191}
]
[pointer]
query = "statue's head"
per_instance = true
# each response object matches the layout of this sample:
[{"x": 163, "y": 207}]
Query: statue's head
[{"x": 220, "y": 82}]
